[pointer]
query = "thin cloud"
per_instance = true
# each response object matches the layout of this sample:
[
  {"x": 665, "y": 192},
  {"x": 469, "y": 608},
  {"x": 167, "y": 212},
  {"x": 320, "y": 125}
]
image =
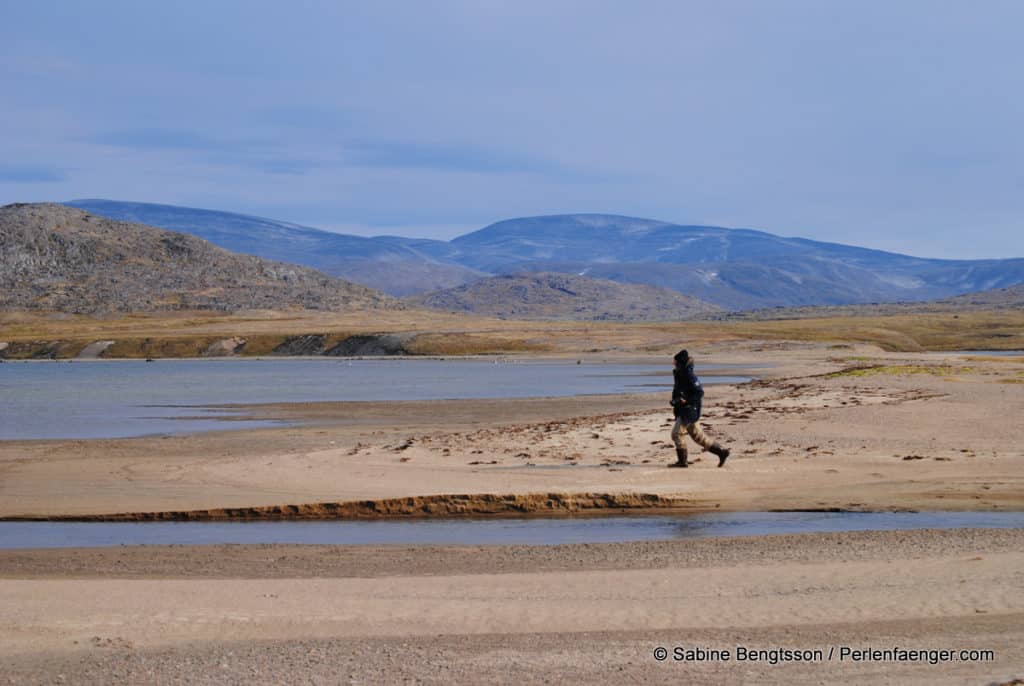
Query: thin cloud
[
  {"x": 31, "y": 174},
  {"x": 457, "y": 158},
  {"x": 164, "y": 139},
  {"x": 249, "y": 153}
]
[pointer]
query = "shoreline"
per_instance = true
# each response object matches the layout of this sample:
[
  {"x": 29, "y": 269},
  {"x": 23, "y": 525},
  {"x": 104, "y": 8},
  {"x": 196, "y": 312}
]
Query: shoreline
[
  {"x": 411, "y": 508},
  {"x": 471, "y": 507}
]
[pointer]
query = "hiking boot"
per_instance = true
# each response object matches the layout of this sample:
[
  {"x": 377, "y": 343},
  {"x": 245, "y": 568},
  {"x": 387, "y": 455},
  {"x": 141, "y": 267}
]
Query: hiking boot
[
  {"x": 681, "y": 460},
  {"x": 723, "y": 453}
]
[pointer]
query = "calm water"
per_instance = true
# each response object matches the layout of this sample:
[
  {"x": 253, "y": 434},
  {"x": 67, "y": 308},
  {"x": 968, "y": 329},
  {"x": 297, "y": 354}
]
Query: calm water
[
  {"x": 488, "y": 531},
  {"x": 996, "y": 353},
  {"x": 108, "y": 399}
]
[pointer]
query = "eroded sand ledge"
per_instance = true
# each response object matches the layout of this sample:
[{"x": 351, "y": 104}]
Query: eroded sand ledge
[{"x": 461, "y": 505}]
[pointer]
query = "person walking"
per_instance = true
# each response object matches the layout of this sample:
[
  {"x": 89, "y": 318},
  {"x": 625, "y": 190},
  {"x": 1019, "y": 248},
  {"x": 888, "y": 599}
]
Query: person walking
[{"x": 687, "y": 395}]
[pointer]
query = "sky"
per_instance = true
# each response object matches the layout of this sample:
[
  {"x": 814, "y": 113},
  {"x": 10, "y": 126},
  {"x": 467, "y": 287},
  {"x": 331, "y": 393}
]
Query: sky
[{"x": 892, "y": 124}]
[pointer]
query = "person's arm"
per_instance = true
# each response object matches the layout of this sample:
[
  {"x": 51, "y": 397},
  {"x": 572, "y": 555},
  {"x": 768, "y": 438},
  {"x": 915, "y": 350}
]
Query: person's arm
[
  {"x": 695, "y": 385},
  {"x": 678, "y": 397}
]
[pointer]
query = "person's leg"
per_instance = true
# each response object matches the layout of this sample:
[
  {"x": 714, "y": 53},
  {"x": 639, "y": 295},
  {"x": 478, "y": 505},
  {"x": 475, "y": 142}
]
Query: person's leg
[
  {"x": 699, "y": 437},
  {"x": 679, "y": 441}
]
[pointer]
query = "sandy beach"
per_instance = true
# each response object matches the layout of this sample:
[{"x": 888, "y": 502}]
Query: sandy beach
[
  {"x": 848, "y": 428},
  {"x": 520, "y": 614}
]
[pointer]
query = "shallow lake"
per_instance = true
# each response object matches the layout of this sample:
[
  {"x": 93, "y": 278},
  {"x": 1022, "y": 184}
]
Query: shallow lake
[
  {"x": 992, "y": 353},
  {"x": 118, "y": 398},
  {"x": 533, "y": 531}
]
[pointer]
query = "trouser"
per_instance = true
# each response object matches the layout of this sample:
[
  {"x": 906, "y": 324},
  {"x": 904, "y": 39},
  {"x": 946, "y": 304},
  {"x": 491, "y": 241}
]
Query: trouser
[{"x": 696, "y": 433}]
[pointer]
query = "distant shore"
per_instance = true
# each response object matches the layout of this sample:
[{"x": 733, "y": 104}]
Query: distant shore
[{"x": 27, "y": 335}]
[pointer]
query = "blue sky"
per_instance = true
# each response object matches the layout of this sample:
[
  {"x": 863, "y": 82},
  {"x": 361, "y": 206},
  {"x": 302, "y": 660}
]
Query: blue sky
[{"x": 890, "y": 124}]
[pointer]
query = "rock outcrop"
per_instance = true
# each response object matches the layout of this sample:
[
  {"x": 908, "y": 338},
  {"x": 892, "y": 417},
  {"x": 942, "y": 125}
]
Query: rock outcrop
[{"x": 372, "y": 345}]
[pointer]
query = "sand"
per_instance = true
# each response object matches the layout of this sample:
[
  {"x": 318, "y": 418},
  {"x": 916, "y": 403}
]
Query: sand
[
  {"x": 516, "y": 614},
  {"x": 847, "y": 428}
]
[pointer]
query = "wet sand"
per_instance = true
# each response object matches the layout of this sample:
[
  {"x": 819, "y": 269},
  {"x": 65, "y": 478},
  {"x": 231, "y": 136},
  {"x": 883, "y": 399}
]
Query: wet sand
[{"x": 820, "y": 430}]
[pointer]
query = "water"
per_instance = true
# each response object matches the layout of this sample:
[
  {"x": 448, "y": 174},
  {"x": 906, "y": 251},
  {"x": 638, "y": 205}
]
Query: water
[
  {"x": 534, "y": 531},
  {"x": 992, "y": 353},
  {"x": 111, "y": 399}
]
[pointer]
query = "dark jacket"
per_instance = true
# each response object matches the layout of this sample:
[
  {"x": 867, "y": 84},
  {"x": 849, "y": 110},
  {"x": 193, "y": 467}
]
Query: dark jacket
[{"x": 686, "y": 387}]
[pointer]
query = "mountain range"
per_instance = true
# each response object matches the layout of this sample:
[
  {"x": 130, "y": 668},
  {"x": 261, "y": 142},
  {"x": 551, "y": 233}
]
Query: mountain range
[
  {"x": 398, "y": 266},
  {"x": 734, "y": 269}
]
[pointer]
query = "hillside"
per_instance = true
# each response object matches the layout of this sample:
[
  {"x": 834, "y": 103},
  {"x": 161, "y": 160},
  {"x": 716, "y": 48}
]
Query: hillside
[
  {"x": 999, "y": 298},
  {"x": 54, "y": 257},
  {"x": 398, "y": 266},
  {"x": 1011, "y": 298},
  {"x": 563, "y": 296}
]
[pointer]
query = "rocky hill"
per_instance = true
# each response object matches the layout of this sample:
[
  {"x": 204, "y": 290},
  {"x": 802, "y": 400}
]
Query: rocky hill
[
  {"x": 54, "y": 257},
  {"x": 563, "y": 296}
]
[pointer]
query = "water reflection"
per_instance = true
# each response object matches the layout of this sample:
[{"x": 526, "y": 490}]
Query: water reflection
[{"x": 533, "y": 531}]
